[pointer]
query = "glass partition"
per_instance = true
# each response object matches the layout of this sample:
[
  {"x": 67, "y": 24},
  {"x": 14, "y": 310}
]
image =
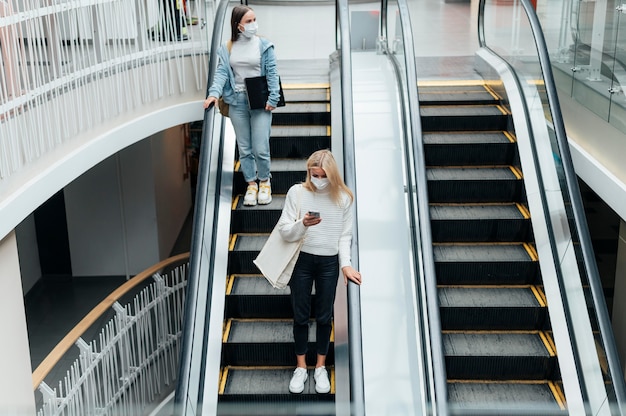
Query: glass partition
[
  {"x": 586, "y": 42},
  {"x": 512, "y": 31}
]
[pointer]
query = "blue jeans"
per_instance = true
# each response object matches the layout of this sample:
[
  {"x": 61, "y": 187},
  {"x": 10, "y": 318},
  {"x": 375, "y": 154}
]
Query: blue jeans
[
  {"x": 324, "y": 271},
  {"x": 252, "y": 128}
]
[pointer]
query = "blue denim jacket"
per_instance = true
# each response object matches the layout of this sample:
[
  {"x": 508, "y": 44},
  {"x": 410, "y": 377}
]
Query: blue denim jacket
[{"x": 224, "y": 79}]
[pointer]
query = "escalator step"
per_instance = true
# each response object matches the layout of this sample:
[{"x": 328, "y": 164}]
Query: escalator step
[
  {"x": 300, "y": 131},
  {"x": 251, "y": 296},
  {"x": 244, "y": 249},
  {"x": 297, "y": 147},
  {"x": 525, "y": 396},
  {"x": 265, "y": 342},
  {"x": 486, "y": 264},
  {"x": 264, "y": 385},
  {"x": 454, "y": 95},
  {"x": 258, "y": 218},
  {"x": 306, "y": 95},
  {"x": 463, "y": 117},
  {"x": 469, "y": 148},
  {"x": 498, "y": 355},
  {"x": 474, "y": 184},
  {"x": 491, "y": 308},
  {"x": 285, "y": 173},
  {"x": 479, "y": 222}
]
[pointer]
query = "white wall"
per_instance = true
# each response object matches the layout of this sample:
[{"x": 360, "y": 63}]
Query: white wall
[
  {"x": 16, "y": 392},
  {"x": 28, "y": 251},
  {"x": 172, "y": 188},
  {"x": 125, "y": 214}
]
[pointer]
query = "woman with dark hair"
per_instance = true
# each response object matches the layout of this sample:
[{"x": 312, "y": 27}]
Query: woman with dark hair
[
  {"x": 326, "y": 231},
  {"x": 247, "y": 55}
]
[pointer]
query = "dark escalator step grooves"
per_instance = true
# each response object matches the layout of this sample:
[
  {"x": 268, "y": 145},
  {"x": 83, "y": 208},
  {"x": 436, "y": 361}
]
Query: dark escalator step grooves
[
  {"x": 290, "y": 119},
  {"x": 498, "y": 355},
  {"x": 265, "y": 385},
  {"x": 499, "y": 263},
  {"x": 491, "y": 308},
  {"x": 302, "y": 132},
  {"x": 297, "y": 148},
  {"x": 539, "y": 395},
  {"x": 285, "y": 173},
  {"x": 454, "y": 95},
  {"x": 243, "y": 250},
  {"x": 461, "y": 118},
  {"x": 251, "y": 296},
  {"x": 269, "y": 342},
  {"x": 479, "y": 222},
  {"x": 474, "y": 184},
  {"x": 470, "y": 148},
  {"x": 258, "y": 218}
]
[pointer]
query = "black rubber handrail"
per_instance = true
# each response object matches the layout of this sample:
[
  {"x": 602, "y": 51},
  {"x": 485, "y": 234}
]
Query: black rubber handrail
[
  {"x": 355, "y": 345},
  {"x": 201, "y": 232},
  {"x": 420, "y": 219},
  {"x": 571, "y": 181}
]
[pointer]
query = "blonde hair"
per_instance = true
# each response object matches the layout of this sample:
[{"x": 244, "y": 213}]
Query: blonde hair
[{"x": 324, "y": 159}]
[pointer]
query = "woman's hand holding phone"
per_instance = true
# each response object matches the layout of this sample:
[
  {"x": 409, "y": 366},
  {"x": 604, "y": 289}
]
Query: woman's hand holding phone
[{"x": 311, "y": 218}]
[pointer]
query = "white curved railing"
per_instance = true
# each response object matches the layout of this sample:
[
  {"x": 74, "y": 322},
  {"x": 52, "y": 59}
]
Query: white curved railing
[
  {"x": 132, "y": 362},
  {"x": 95, "y": 60}
]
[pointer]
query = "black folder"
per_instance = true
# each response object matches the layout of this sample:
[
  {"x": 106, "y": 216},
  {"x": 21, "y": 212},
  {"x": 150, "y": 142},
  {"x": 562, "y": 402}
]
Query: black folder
[{"x": 258, "y": 92}]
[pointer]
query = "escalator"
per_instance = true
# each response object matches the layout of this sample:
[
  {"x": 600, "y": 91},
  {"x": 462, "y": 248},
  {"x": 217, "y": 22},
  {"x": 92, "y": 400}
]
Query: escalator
[
  {"x": 258, "y": 355},
  {"x": 496, "y": 330}
]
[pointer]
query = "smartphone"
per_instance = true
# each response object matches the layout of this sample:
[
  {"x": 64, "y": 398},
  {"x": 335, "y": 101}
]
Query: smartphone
[{"x": 314, "y": 214}]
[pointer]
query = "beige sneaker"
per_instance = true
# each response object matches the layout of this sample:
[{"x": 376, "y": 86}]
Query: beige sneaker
[
  {"x": 265, "y": 193},
  {"x": 249, "y": 198}
]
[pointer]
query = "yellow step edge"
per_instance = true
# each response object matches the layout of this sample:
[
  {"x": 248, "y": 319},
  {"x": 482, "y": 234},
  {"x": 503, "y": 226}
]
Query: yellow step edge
[
  {"x": 531, "y": 251},
  {"x": 306, "y": 86},
  {"x": 235, "y": 203},
  {"x": 516, "y": 172},
  {"x": 223, "y": 378},
  {"x": 475, "y": 243},
  {"x": 233, "y": 241},
  {"x": 226, "y": 333},
  {"x": 456, "y": 83},
  {"x": 539, "y": 295},
  {"x": 548, "y": 342},
  {"x": 503, "y": 110},
  {"x": 523, "y": 210},
  {"x": 557, "y": 391},
  {"x": 230, "y": 281},
  {"x": 492, "y": 92},
  {"x": 510, "y": 136}
]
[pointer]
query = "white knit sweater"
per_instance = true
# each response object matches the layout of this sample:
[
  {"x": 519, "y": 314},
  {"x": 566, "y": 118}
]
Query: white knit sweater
[{"x": 333, "y": 235}]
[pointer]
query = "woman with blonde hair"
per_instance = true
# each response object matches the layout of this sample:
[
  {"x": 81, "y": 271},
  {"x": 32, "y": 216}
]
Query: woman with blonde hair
[{"x": 326, "y": 230}]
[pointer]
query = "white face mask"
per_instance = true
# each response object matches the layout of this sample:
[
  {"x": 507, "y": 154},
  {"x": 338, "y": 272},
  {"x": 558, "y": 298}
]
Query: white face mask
[
  {"x": 320, "y": 183},
  {"x": 249, "y": 29}
]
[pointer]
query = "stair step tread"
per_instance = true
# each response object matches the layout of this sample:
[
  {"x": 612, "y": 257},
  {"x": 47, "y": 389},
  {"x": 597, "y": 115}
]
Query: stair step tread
[
  {"x": 494, "y": 344},
  {"x": 459, "y": 96},
  {"x": 482, "y": 395},
  {"x": 481, "y": 252},
  {"x": 255, "y": 285},
  {"x": 264, "y": 331},
  {"x": 443, "y": 212},
  {"x": 288, "y": 165},
  {"x": 300, "y": 131},
  {"x": 460, "y": 110},
  {"x": 264, "y": 381},
  {"x": 487, "y": 297},
  {"x": 278, "y": 202},
  {"x": 470, "y": 173},
  {"x": 303, "y": 107},
  {"x": 466, "y": 138}
]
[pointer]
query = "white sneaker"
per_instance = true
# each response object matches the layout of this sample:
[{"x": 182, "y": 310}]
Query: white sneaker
[
  {"x": 249, "y": 198},
  {"x": 296, "y": 385},
  {"x": 322, "y": 384},
  {"x": 265, "y": 192}
]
